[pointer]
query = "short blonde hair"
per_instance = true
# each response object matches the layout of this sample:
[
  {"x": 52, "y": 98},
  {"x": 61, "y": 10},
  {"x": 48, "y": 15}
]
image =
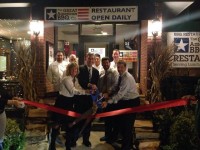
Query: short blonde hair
[
  {"x": 72, "y": 56},
  {"x": 70, "y": 66}
]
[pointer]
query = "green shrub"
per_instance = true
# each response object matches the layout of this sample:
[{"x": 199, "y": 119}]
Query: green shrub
[
  {"x": 162, "y": 121},
  {"x": 182, "y": 132},
  {"x": 177, "y": 128},
  {"x": 14, "y": 137}
]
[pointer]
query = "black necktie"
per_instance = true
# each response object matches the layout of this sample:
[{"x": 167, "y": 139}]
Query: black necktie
[
  {"x": 118, "y": 84},
  {"x": 105, "y": 85},
  {"x": 89, "y": 71}
]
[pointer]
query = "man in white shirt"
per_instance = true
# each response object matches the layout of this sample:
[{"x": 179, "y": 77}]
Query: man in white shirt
[
  {"x": 56, "y": 69},
  {"x": 108, "y": 79},
  {"x": 97, "y": 63},
  {"x": 125, "y": 95},
  {"x": 115, "y": 56}
]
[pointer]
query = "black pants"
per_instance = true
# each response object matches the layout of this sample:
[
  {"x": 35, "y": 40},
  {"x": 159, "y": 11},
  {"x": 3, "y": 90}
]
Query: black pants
[
  {"x": 59, "y": 120},
  {"x": 82, "y": 104},
  {"x": 111, "y": 130},
  {"x": 124, "y": 123}
]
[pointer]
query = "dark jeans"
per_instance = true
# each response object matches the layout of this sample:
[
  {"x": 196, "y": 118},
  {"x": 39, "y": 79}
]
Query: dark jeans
[
  {"x": 111, "y": 130},
  {"x": 124, "y": 123}
]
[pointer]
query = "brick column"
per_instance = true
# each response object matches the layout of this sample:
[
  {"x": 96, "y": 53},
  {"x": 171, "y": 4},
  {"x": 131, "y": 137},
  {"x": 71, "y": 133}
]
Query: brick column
[
  {"x": 39, "y": 70},
  {"x": 48, "y": 36},
  {"x": 42, "y": 85},
  {"x": 144, "y": 56}
]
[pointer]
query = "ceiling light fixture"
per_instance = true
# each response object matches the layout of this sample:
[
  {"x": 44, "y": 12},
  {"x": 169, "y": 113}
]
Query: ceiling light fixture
[
  {"x": 104, "y": 33},
  {"x": 99, "y": 31},
  {"x": 7, "y": 5}
]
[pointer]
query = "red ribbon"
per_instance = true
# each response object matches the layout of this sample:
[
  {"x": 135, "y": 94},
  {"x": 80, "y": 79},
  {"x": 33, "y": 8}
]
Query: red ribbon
[
  {"x": 52, "y": 108},
  {"x": 143, "y": 108},
  {"x": 148, "y": 107}
]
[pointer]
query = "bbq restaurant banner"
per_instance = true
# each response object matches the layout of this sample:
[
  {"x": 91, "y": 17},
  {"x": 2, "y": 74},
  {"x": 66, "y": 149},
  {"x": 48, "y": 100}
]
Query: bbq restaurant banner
[
  {"x": 187, "y": 49},
  {"x": 92, "y": 14}
]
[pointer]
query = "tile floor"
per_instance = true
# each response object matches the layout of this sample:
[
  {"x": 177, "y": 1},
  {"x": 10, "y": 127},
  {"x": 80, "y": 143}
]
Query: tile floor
[{"x": 37, "y": 141}]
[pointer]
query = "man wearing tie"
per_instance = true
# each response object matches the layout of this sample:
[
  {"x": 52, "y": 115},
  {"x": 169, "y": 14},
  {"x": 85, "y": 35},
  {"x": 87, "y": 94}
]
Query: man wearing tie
[
  {"x": 108, "y": 79},
  {"x": 125, "y": 96},
  {"x": 88, "y": 78}
]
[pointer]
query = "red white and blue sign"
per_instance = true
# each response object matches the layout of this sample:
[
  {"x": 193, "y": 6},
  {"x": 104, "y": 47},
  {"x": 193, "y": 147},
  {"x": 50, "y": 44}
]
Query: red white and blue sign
[{"x": 92, "y": 14}]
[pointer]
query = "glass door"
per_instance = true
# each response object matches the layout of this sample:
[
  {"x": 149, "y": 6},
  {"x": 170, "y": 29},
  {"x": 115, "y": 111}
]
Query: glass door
[{"x": 97, "y": 38}]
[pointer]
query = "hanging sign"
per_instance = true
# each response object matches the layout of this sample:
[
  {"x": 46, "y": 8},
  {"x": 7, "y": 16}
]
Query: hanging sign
[
  {"x": 187, "y": 49},
  {"x": 128, "y": 55},
  {"x": 92, "y": 14},
  {"x": 131, "y": 44}
]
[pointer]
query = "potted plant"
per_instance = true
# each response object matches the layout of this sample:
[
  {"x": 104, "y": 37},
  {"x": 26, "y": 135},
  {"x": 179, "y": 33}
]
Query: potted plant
[{"x": 14, "y": 137}]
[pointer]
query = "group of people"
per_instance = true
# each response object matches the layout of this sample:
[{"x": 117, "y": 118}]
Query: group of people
[{"x": 75, "y": 84}]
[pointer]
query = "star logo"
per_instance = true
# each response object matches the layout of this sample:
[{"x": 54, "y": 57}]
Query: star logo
[
  {"x": 51, "y": 14},
  {"x": 182, "y": 45}
]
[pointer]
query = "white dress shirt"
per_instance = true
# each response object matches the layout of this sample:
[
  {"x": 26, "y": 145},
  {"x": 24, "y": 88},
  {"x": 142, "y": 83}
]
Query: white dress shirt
[
  {"x": 113, "y": 65},
  {"x": 112, "y": 78},
  {"x": 99, "y": 68},
  {"x": 68, "y": 88},
  {"x": 127, "y": 89},
  {"x": 55, "y": 73}
]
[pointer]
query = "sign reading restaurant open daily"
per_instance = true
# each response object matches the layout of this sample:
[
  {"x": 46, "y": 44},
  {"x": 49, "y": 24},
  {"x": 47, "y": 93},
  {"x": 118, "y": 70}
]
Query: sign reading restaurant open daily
[
  {"x": 187, "y": 49},
  {"x": 92, "y": 14}
]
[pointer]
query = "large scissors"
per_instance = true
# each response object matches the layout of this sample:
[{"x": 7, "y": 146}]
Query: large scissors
[{"x": 88, "y": 115}]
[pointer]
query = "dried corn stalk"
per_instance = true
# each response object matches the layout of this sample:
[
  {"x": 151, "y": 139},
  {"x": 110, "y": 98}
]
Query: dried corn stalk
[
  {"x": 26, "y": 55},
  {"x": 160, "y": 67}
]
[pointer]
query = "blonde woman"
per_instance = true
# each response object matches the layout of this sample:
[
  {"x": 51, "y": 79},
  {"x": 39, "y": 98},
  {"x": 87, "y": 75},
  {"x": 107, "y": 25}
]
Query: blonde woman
[
  {"x": 68, "y": 89},
  {"x": 72, "y": 59}
]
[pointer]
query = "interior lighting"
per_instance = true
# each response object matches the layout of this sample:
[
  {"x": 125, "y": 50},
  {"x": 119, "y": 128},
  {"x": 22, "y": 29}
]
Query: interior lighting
[{"x": 7, "y": 5}]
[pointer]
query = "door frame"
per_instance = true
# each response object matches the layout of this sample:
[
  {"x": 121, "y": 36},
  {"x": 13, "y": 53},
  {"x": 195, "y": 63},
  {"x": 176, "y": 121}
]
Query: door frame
[{"x": 89, "y": 38}]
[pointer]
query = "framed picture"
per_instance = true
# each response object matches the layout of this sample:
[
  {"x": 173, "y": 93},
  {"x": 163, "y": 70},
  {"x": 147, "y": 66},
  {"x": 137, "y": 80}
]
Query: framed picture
[
  {"x": 50, "y": 53},
  {"x": 3, "y": 62},
  {"x": 61, "y": 45}
]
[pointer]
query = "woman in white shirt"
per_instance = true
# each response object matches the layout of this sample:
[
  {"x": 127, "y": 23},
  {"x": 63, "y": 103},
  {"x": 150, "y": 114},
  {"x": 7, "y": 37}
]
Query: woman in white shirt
[{"x": 68, "y": 89}]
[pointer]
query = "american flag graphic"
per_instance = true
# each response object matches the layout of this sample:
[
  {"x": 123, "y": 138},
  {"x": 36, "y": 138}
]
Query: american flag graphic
[{"x": 83, "y": 14}]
